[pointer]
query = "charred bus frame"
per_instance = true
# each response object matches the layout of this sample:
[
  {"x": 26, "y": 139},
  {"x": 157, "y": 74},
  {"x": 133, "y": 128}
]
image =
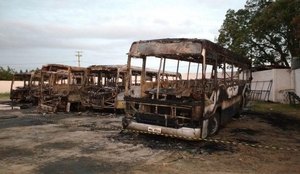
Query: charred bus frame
[
  {"x": 193, "y": 107},
  {"x": 105, "y": 85},
  {"x": 102, "y": 85},
  {"x": 61, "y": 87},
  {"x": 20, "y": 93},
  {"x": 26, "y": 93}
]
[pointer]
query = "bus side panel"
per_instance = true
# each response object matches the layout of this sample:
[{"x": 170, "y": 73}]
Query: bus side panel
[{"x": 229, "y": 109}]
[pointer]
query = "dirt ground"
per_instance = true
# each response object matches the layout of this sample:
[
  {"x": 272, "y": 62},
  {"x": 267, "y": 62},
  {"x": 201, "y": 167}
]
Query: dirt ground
[{"x": 33, "y": 142}]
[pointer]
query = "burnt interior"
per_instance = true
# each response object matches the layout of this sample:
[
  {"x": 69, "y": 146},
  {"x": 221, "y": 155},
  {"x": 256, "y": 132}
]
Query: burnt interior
[
  {"x": 180, "y": 102},
  {"x": 61, "y": 85}
]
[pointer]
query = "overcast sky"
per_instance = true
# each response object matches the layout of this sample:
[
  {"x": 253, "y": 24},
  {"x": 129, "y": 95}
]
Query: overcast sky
[{"x": 37, "y": 32}]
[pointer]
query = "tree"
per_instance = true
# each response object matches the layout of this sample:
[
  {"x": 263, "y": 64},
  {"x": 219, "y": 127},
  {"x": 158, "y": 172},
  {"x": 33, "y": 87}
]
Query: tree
[
  {"x": 265, "y": 31},
  {"x": 6, "y": 74}
]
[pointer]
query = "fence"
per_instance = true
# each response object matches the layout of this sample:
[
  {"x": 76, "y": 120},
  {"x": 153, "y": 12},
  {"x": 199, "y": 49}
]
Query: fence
[{"x": 260, "y": 90}]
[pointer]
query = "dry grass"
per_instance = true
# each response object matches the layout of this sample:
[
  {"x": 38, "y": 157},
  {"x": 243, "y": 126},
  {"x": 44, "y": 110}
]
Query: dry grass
[
  {"x": 267, "y": 107},
  {"x": 4, "y": 95}
]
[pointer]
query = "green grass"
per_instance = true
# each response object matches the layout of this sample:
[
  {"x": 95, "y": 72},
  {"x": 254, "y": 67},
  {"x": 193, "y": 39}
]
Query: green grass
[
  {"x": 267, "y": 107},
  {"x": 4, "y": 95}
]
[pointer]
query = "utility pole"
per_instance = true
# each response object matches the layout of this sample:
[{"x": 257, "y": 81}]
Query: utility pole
[{"x": 78, "y": 55}]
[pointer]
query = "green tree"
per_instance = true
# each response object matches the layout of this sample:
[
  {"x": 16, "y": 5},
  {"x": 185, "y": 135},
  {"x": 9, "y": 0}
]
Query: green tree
[
  {"x": 265, "y": 31},
  {"x": 6, "y": 74}
]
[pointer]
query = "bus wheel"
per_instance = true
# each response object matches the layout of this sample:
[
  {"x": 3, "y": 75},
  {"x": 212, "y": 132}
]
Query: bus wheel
[{"x": 213, "y": 124}]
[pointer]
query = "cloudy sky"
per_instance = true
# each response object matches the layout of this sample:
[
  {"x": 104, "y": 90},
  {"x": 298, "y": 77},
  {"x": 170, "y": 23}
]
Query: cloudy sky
[{"x": 35, "y": 32}]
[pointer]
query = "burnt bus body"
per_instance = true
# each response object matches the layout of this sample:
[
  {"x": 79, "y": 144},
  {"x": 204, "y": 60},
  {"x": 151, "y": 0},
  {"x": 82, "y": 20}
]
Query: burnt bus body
[
  {"x": 20, "y": 94},
  {"x": 213, "y": 90},
  {"x": 102, "y": 85},
  {"x": 60, "y": 87},
  {"x": 105, "y": 85},
  {"x": 29, "y": 91}
]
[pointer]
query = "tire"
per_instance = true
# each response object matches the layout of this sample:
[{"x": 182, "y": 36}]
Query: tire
[{"x": 213, "y": 124}]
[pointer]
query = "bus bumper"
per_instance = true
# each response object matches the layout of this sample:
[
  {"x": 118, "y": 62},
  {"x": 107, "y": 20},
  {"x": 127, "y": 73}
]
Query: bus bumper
[{"x": 181, "y": 133}]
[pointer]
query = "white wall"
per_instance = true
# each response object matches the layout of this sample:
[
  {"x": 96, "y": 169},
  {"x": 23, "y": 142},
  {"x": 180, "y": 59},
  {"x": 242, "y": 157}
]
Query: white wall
[
  {"x": 297, "y": 81},
  {"x": 282, "y": 82},
  {"x": 266, "y": 75},
  {"x": 5, "y": 85}
]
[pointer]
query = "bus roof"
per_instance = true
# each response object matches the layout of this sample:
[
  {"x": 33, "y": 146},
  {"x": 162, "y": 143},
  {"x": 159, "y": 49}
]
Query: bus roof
[
  {"x": 57, "y": 67},
  {"x": 22, "y": 76},
  {"x": 188, "y": 50},
  {"x": 107, "y": 67}
]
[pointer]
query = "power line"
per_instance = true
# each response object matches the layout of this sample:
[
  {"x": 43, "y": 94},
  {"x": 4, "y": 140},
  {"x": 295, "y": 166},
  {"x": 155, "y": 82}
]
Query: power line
[{"x": 78, "y": 55}]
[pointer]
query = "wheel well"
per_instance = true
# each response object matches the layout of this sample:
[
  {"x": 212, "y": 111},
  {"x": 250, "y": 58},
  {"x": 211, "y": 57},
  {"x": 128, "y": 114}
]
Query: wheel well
[{"x": 219, "y": 112}]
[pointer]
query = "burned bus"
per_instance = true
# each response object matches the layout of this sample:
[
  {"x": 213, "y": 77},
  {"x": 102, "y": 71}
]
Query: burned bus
[
  {"x": 20, "y": 88},
  {"x": 102, "y": 85},
  {"x": 213, "y": 88},
  {"x": 27, "y": 91},
  {"x": 105, "y": 85},
  {"x": 60, "y": 87}
]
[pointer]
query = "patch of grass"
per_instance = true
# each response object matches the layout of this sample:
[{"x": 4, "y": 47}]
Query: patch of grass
[
  {"x": 4, "y": 95},
  {"x": 268, "y": 107}
]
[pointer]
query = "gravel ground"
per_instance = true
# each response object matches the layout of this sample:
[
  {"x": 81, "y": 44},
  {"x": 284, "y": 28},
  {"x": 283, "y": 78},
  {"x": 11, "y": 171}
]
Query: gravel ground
[{"x": 74, "y": 143}]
